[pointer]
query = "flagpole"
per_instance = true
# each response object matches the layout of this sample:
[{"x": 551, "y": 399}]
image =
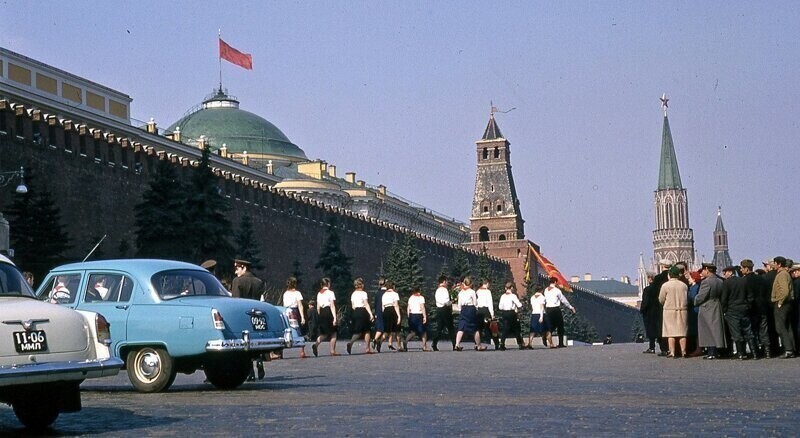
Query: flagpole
[{"x": 219, "y": 56}]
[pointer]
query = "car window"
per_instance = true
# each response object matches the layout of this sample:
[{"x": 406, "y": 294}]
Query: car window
[
  {"x": 186, "y": 282},
  {"x": 12, "y": 282},
  {"x": 61, "y": 288},
  {"x": 107, "y": 287}
]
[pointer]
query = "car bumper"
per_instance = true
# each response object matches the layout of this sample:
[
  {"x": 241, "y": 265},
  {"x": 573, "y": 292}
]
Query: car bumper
[
  {"x": 59, "y": 371},
  {"x": 245, "y": 343}
]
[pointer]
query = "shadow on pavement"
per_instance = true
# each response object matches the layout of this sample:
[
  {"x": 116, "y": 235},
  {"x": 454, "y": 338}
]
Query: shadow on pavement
[{"x": 89, "y": 421}]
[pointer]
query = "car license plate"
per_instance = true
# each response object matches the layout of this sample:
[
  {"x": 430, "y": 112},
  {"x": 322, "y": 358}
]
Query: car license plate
[
  {"x": 259, "y": 322},
  {"x": 30, "y": 341}
]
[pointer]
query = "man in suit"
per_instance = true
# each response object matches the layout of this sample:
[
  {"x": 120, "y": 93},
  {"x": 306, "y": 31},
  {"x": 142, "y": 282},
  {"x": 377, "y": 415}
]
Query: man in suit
[
  {"x": 760, "y": 310},
  {"x": 737, "y": 300}
]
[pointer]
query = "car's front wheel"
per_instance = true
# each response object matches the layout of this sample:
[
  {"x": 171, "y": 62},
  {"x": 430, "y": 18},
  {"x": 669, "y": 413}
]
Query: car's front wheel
[
  {"x": 36, "y": 413},
  {"x": 150, "y": 369},
  {"x": 228, "y": 373}
]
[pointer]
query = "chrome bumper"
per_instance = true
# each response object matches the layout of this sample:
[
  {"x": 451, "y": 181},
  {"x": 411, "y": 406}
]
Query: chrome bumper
[
  {"x": 58, "y": 371},
  {"x": 248, "y": 344}
]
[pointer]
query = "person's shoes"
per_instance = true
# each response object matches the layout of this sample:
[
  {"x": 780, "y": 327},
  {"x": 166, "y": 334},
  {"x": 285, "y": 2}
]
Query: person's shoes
[
  {"x": 663, "y": 354},
  {"x": 522, "y": 347},
  {"x": 260, "y": 367},
  {"x": 370, "y": 352},
  {"x": 349, "y": 348},
  {"x": 788, "y": 355},
  {"x": 303, "y": 354},
  {"x": 710, "y": 357},
  {"x": 649, "y": 351},
  {"x": 378, "y": 346},
  {"x": 435, "y": 348},
  {"x": 481, "y": 348},
  {"x": 405, "y": 346},
  {"x": 458, "y": 348},
  {"x": 315, "y": 350},
  {"x": 251, "y": 377},
  {"x": 333, "y": 353},
  {"x": 767, "y": 354},
  {"x": 742, "y": 356},
  {"x": 685, "y": 355},
  {"x": 391, "y": 347},
  {"x": 561, "y": 346},
  {"x": 502, "y": 348}
]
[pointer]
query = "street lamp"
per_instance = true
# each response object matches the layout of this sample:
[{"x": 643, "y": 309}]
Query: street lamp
[{"x": 7, "y": 177}]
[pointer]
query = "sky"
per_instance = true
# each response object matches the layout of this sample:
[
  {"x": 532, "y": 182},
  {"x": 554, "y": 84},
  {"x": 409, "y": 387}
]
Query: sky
[{"x": 399, "y": 92}]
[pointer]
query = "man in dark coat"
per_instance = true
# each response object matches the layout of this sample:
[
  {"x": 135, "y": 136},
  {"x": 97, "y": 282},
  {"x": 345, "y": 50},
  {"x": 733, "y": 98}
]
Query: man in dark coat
[
  {"x": 760, "y": 311},
  {"x": 737, "y": 301},
  {"x": 783, "y": 300},
  {"x": 710, "y": 326},
  {"x": 246, "y": 285},
  {"x": 651, "y": 311}
]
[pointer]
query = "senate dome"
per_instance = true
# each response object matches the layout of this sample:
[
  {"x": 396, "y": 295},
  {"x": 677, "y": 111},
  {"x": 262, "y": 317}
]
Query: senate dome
[{"x": 244, "y": 135}]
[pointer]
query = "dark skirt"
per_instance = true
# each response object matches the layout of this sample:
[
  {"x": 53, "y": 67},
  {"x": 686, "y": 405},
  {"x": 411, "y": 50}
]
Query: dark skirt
[
  {"x": 390, "y": 322},
  {"x": 296, "y": 314},
  {"x": 415, "y": 324},
  {"x": 360, "y": 321},
  {"x": 537, "y": 327},
  {"x": 467, "y": 321},
  {"x": 484, "y": 316},
  {"x": 326, "y": 327}
]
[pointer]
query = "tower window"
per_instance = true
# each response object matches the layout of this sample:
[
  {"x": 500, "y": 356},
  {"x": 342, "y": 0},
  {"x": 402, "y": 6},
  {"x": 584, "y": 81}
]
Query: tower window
[
  {"x": 502, "y": 237},
  {"x": 496, "y": 153},
  {"x": 499, "y": 207},
  {"x": 485, "y": 153},
  {"x": 485, "y": 208},
  {"x": 483, "y": 234},
  {"x": 492, "y": 188}
]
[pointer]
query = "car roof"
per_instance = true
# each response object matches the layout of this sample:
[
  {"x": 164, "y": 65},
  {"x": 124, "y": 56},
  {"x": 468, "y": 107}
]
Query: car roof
[{"x": 142, "y": 266}]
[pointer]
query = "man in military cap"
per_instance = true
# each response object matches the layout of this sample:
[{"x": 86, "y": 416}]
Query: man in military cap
[
  {"x": 760, "y": 312},
  {"x": 652, "y": 310},
  {"x": 710, "y": 328},
  {"x": 736, "y": 303},
  {"x": 782, "y": 298},
  {"x": 245, "y": 285}
]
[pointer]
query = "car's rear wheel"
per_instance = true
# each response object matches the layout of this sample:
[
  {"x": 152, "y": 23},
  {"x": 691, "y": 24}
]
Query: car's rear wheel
[
  {"x": 150, "y": 369},
  {"x": 228, "y": 373},
  {"x": 36, "y": 413}
]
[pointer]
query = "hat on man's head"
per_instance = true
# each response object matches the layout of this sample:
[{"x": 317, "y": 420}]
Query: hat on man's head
[
  {"x": 766, "y": 262},
  {"x": 209, "y": 264},
  {"x": 746, "y": 263},
  {"x": 728, "y": 269},
  {"x": 241, "y": 262},
  {"x": 665, "y": 264},
  {"x": 794, "y": 267},
  {"x": 710, "y": 266}
]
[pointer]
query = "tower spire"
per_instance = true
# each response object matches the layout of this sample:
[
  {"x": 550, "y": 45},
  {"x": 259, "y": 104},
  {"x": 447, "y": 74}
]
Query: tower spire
[
  {"x": 722, "y": 257},
  {"x": 669, "y": 177}
]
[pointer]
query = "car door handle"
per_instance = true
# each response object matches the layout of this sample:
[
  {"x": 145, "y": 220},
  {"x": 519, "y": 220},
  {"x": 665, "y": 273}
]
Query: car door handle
[{"x": 123, "y": 307}]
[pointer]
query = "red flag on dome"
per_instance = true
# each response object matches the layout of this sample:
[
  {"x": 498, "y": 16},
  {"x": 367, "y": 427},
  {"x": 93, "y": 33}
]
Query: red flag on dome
[
  {"x": 228, "y": 53},
  {"x": 551, "y": 269}
]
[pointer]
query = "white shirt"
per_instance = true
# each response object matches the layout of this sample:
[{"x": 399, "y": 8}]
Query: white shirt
[
  {"x": 292, "y": 298},
  {"x": 485, "y": 300},
  {"x": 416, "y": 304},
  {"x": 537, "y": 304},
  {"x": 442, "y": 297},
  {"x": 509, "y": 302},
  {"x": 467, "y": 297},
  {"x": 554, "y": 298},
  {"x": 325, "y": 297},
  {"x": 358, "y": 299},
  {"x": 389, "y": 298}
]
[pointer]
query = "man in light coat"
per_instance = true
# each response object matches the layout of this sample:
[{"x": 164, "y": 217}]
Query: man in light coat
[{"x": 710, "y": 331}]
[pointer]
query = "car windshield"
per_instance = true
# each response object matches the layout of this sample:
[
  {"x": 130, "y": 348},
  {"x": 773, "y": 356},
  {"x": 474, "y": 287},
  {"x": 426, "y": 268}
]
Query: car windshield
[
  {"x": 187, "y": 282},
  {"x": 12, "y": 282}
]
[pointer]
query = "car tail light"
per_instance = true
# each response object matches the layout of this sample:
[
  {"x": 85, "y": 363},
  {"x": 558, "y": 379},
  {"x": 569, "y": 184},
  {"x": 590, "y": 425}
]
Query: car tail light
[
  {"x": 219, "y": 323},
  {"x": 293, "y": 322},
  {"x": 103, "y": 328}
]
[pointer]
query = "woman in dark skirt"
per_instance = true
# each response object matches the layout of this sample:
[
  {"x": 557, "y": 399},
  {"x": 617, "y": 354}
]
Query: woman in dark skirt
[
  {"x": 417, "y": 319},
  {"x": 539, "y": 324},
  {"x": 326, "y": 300},
  {"x": 468, "y": 320},
  {"x": 391, "y": 315},
  {"x": 293, "y": 300},
  {"x": 362, "y": 316},
  {"x": 379, "y": 328}
]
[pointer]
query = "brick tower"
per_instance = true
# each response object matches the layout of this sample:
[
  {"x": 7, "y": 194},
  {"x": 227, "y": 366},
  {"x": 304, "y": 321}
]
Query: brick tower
[{"x": 496, "y": 223}]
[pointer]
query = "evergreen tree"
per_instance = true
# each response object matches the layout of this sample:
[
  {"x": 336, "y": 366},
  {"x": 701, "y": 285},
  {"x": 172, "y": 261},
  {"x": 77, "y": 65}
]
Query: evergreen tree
[
  {"x": 160, "y": 224},
  {"x": 335, "y": 264},
  {"x": 245, "y": 245},
  {"x": 460, "y": 267},
  {"x": 578, "y": 328},
  {"x": 206, "y": 218},
  {"x": 484, "y": 273},
  {"x": 123, "y": 248},
  {"x": 39, "y": 240},
  {"x": 403, "y": 265}
]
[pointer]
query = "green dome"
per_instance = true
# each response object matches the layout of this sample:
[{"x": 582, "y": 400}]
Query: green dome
[{"x": 222, "y": 122}]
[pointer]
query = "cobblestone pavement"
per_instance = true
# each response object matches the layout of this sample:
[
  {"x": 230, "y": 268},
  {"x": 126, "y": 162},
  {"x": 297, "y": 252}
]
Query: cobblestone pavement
[{"x": 599, "y": 390}]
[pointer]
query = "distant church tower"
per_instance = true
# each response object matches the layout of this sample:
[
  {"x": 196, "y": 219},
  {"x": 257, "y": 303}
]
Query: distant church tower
[
  {"x": 496, "y": 224},
  {"x": 722, "y": 258},
  {"x": 672, "y": 239}
]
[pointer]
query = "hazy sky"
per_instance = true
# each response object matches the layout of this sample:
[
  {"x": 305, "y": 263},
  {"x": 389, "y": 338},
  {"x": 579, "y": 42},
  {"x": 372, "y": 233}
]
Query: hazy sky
[{"x": 399, "y": 92}]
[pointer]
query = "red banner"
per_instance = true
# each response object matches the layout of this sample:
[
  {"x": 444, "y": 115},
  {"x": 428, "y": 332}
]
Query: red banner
[
  {"x": 228, "y": 53},
  {"x": 551, "y": 269}
]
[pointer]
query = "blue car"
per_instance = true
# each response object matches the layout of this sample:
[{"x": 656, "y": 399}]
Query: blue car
[{"x": 168, "y": 317}]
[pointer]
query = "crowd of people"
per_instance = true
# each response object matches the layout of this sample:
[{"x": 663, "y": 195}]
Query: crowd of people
[
  {"x": 746, "y": 313},
  {"x": 469, "y": 314}
]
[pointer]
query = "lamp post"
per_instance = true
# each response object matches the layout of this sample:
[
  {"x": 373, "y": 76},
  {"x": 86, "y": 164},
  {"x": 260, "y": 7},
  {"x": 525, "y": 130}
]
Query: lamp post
[{"x": 7, "y": 177}]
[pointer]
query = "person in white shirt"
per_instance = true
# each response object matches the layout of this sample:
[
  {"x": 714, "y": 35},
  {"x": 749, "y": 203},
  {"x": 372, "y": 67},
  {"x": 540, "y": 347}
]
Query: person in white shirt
[
  {"x": 362, "y": 316},
  {"x": 486, "y": 313},
  {"x": 326, "y": 303},
  {"x": 417, "y": 319},
  {"x": 539, "y": 325},
  {"x": 391, "y": 315},
  {"x": 293, "y": 300},
  {"x": 444, "y": 314},
  {"x": 508, "y": 307},
  {"x": 553, "y": 300},
  {"x": 468, "y": 320}
]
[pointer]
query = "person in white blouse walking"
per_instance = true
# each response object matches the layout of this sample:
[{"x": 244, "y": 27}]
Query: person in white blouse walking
[
  {"x": 390, "y": 301},
  {"x": 417, "y": 319},
  {"x": 553, "y": 301},
  {"x": 467, "y": 321},
  {"x": 508, "y": 307},
  {"x": 539, "y": 325},
  {"x": 293, "y": 300},
  {"x": 326, "y": 302},
  {"x": 443, "y": 315},
  {"x": 362, "y": 316},
  {"x": 486, "y": 313}
]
